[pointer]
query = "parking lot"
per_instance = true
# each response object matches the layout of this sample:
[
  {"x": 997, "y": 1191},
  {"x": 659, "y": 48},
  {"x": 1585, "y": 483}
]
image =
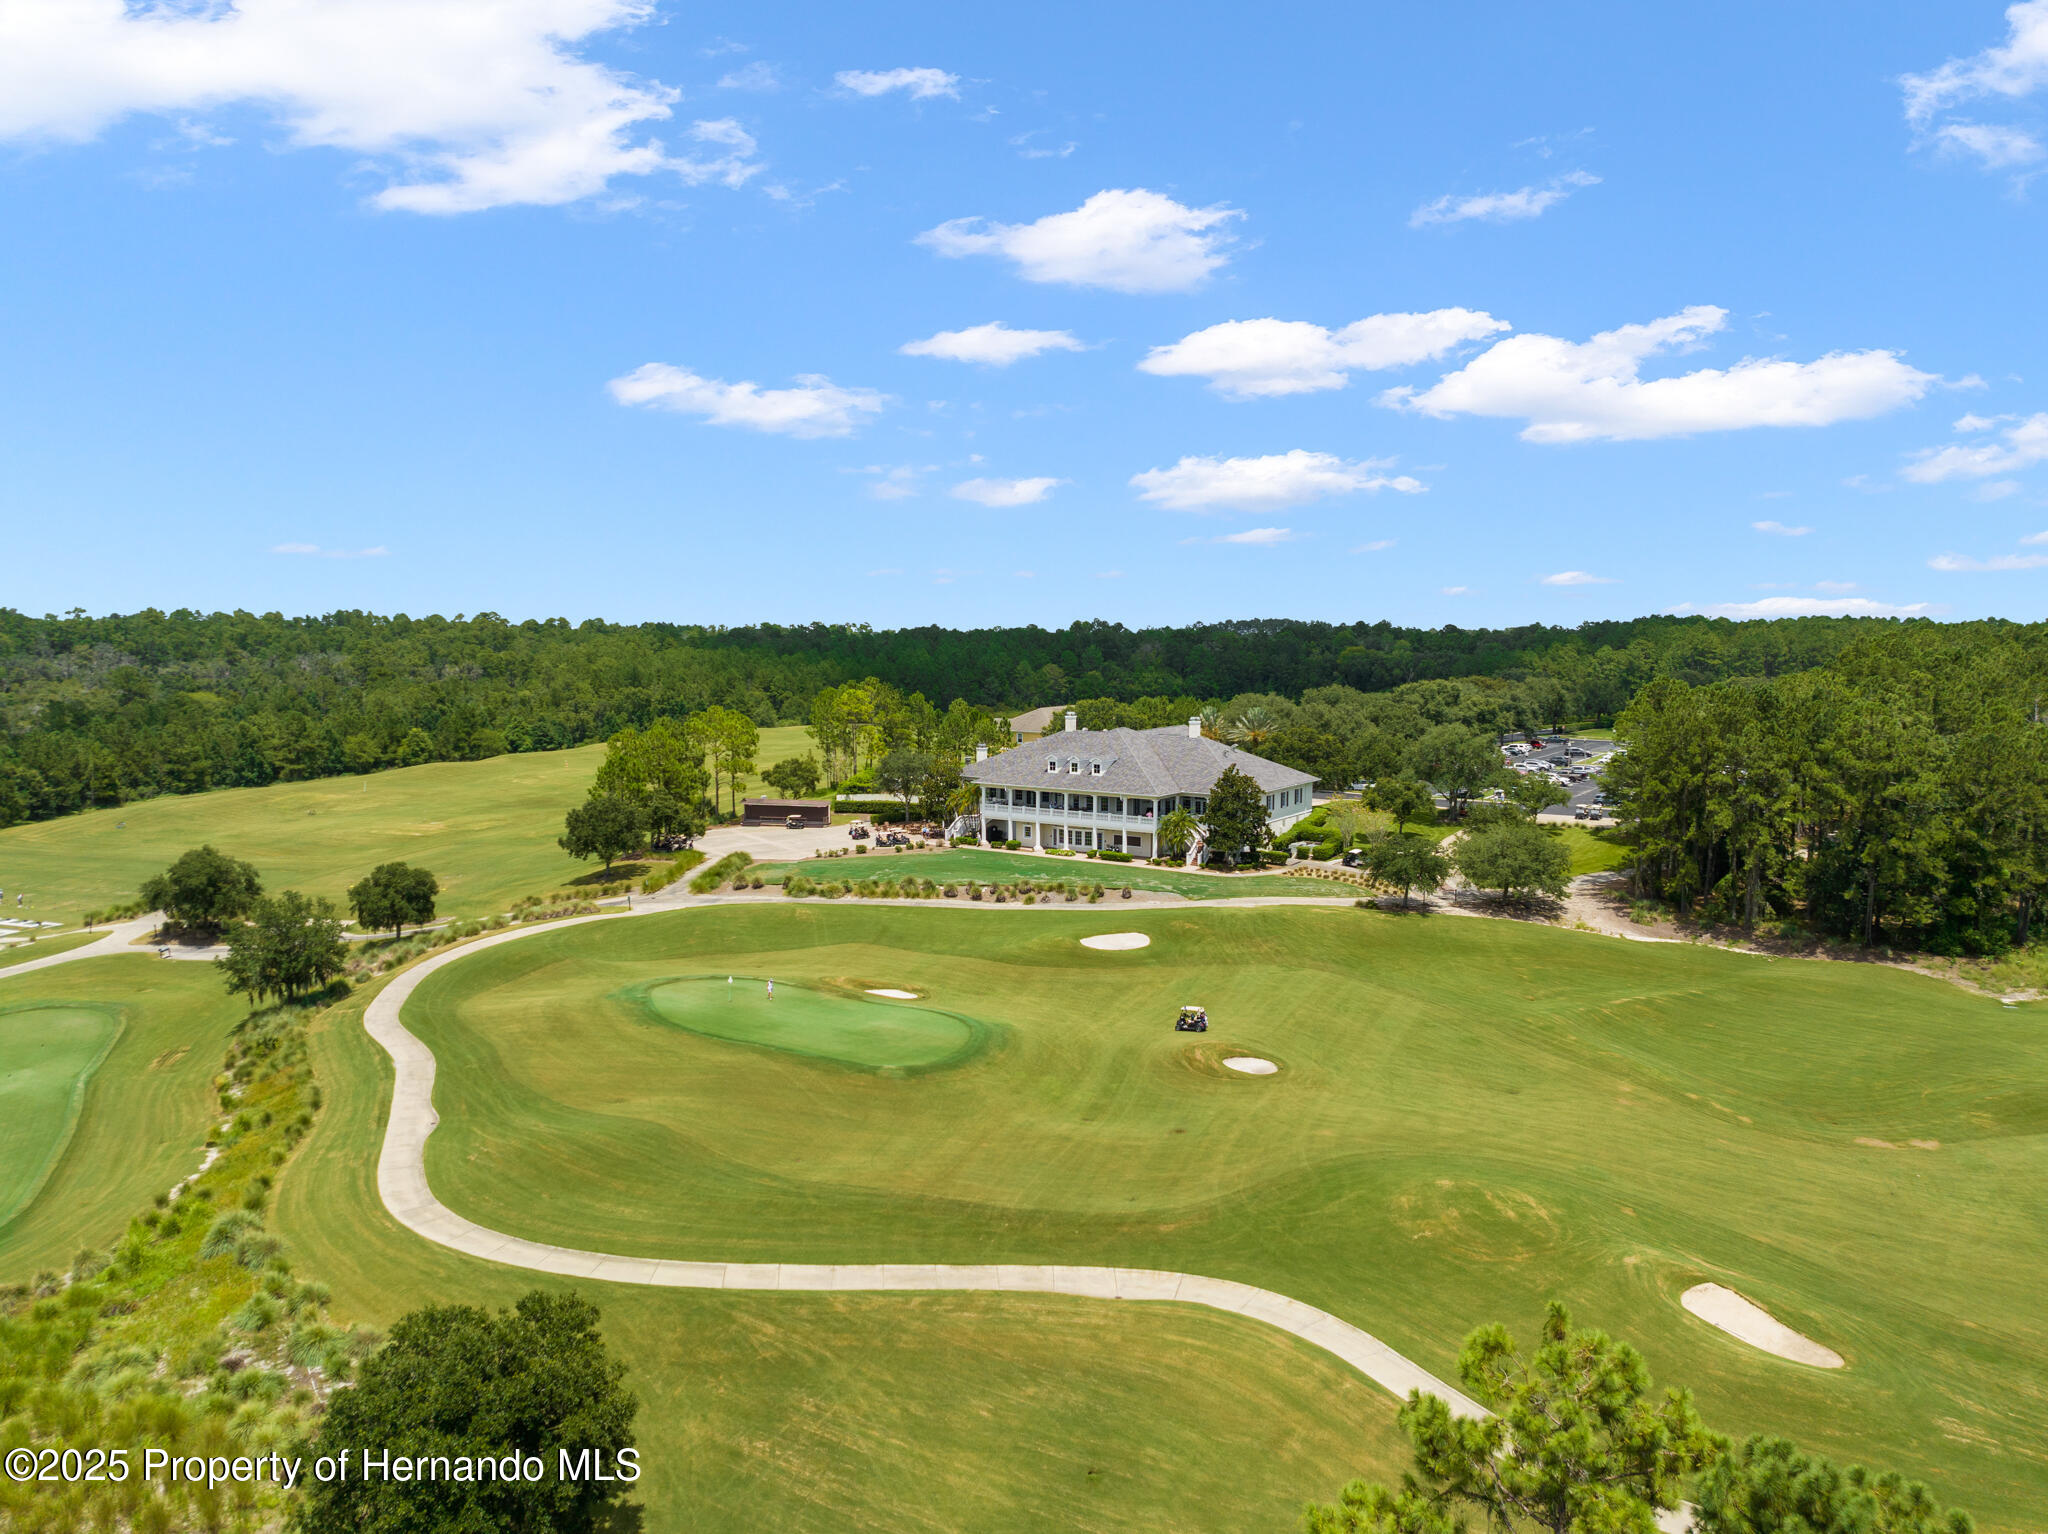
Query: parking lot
[{"x": 1578, "y": 762}]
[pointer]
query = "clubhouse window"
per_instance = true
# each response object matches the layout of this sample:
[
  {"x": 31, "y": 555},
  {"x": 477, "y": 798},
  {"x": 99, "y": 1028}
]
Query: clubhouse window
[
  {"x": 1081, "y": 804},
  {"x": 1081, "y": 836},
  {"x": 1108, "y": 804},
  {"x": 1052, "y": 801},
  {"x": 1024, "y": 798},
  {"x": 996, "y": 795},
  {"x": 1141, "y": 807}
]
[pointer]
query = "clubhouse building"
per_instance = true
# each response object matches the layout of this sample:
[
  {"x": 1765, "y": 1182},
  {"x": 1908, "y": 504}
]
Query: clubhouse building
[{"x": 1111, "y": 788}]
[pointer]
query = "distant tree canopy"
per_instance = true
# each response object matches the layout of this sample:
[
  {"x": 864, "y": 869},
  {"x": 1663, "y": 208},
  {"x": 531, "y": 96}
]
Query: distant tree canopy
[
  {"x": 603, "y": 826},
  {"x": 1897, "y": 795},
  {"x": 204, "y": 890},
  {"x": 455, "y": 1381},
  {"x": 99, "y": 711}
]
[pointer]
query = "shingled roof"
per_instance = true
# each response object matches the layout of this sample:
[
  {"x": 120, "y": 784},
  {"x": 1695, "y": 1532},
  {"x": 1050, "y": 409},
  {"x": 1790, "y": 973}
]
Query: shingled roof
[{"x": 1144, "y": 762}]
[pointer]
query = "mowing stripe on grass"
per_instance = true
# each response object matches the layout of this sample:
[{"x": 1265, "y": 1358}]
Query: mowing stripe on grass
[{"x": 402, "y": 1185}]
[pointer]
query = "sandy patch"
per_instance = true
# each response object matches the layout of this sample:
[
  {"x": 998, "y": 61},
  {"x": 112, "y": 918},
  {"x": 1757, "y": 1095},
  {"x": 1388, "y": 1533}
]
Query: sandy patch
[
  {"x": 1722, "y": 1307},
  {"x": 1251, "y": 1065},
  {"x": 883, "y": 990},
  {"x": 1117, "y": 940}
]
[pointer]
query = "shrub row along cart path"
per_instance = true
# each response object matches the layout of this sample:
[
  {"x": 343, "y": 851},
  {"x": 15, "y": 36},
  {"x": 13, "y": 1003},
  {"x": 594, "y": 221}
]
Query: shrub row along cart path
[{"x": 402, "y": 1183}]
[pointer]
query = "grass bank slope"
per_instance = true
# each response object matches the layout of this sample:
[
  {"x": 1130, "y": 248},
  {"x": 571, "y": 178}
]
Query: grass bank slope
[
  {"x": 142, "y": 1117},
  {"x": 486, "y": 829},
  {"x": 883, "y": 1412},
  {"x": 1470, "y": 1117}
]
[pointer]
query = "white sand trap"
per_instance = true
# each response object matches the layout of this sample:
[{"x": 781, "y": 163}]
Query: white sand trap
[
  {"x": 1718, "y": 1306},
  {"x": 1251, "y": 1065},
  {"x": 1117, "y": 940},
  {"x": 899, "y": 995}
]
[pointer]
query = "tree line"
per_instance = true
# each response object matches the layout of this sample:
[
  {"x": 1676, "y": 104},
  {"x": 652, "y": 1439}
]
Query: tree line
[
  {"x": 100, "y": 711},
  {"x": 1898, "y": 795}
]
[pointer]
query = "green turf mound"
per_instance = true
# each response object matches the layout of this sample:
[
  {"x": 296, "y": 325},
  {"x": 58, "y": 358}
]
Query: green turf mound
[
  {"x": 48, "y": 1053},
  {"x": 846, "y": 1030}
]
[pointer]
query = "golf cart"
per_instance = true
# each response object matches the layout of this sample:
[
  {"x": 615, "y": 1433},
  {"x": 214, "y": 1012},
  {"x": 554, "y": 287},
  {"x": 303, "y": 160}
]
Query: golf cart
[
  {"x": 795, "y": 822},
  {"x": 858, "y": 830},
  {"x": 1192, "y": 1020}
]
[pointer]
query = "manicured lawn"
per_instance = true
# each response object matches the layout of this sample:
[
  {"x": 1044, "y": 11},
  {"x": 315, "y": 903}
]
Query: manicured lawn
[
  {"x": 47, "y": 1055},
  {"x": 1471, "y": 1117},
  {"x": 1593, "y": 851},
  {"x": 145, "y": 1110},
  {"x": 958, "y": 865},
  {"x": 47, "y": 947},
  {"x": 881, "y": 1413}
]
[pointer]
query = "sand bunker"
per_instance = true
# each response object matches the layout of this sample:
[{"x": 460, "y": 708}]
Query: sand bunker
[
  {"x": 1117, "y": 940},
  {"x": 1251, "y": 1065},
  {"x": 885, "y": 991},
  {"x": 1722, "y": 1307}
]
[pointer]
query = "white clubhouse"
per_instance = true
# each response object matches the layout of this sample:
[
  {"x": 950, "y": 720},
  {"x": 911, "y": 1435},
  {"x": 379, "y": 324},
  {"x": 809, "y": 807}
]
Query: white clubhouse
[{"x": 1111, "y": 788}]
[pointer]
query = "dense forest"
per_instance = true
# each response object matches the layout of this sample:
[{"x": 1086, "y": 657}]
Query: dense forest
[
  {"x": 98, "y": 711},
  {"x": 1897, "y": 795}
]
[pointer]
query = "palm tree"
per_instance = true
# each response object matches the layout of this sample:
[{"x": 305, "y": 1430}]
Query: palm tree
[
  {"x": 1177, "y": 833},
  {"x": 1212, "y": 723},
  {"x": 1252, "y": 728}
]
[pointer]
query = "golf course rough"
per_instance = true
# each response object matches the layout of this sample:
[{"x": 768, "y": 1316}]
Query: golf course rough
[
  {"x": 48, "y": 1054},
  {"x": 814, "y": 1022}
]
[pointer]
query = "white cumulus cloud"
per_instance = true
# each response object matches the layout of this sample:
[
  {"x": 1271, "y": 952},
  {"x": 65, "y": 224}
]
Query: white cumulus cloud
[
  {"x": 817, "y": 407},
  {"x": 1580, "y": 391},
  {"x": 921, "y": 84},
  {"x": 1264, "y": 484},
  {"x": 1501, "y": 207},
  {"x": 2013, "y": 68},
  {"x": 1131, "y": 241},
  {"x": 1005, "y": 492},
  {"x": 1814, "y": 607},
  {"x": 994, "y": 343},
  {"x": 463, "y": 104},
  {"x": 2021, "y": 445},
  {"x": 1262, "y": 358}
]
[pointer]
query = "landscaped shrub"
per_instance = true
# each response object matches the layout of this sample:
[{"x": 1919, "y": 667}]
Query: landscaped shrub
[
  {"x": 662, "y": 878},
  {"x": 861, "y": 848},
  {"x": 966, "y": 841},
  {"x": 1112, "y": 855},
  {"x": 1012, "y": 846},
  {"x": 1127, "y": 892},
  {"x": 716, "y": 875}
]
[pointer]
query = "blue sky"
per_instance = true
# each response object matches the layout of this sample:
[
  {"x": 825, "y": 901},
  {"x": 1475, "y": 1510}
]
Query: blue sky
[{"x": 907, "y": 314}]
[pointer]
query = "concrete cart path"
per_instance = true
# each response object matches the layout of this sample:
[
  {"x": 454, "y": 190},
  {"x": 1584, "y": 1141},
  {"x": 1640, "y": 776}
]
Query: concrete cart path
[
  {"x": 119, "y": 939},
  {"x": 402, "y": 1184}
]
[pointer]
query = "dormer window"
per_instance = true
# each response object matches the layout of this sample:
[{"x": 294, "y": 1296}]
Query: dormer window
[
  {"x": 1073, "y": 764},
  {"x": 1052, "y": 764},
  {"x": 1095, "y": 768}
]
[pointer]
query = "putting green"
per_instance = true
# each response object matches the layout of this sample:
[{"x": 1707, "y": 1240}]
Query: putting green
[
  {"x": 47, "y": 1055},
  {"x": 849, "y": 1030}
]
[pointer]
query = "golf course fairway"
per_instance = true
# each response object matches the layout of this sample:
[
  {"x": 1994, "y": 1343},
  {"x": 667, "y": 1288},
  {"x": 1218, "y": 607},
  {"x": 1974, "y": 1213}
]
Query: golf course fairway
[
  {"x": 1475, "y": 1116},
  {"x": 106, "y": 1097},
  {"x": 47, "y": 1055}
]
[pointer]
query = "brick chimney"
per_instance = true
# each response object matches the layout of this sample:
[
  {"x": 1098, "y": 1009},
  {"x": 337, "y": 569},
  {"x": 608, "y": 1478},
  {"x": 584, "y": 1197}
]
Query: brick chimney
[
  {"x": 1194, "y": 727},
  {"x": 1070, "y": 721}
]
